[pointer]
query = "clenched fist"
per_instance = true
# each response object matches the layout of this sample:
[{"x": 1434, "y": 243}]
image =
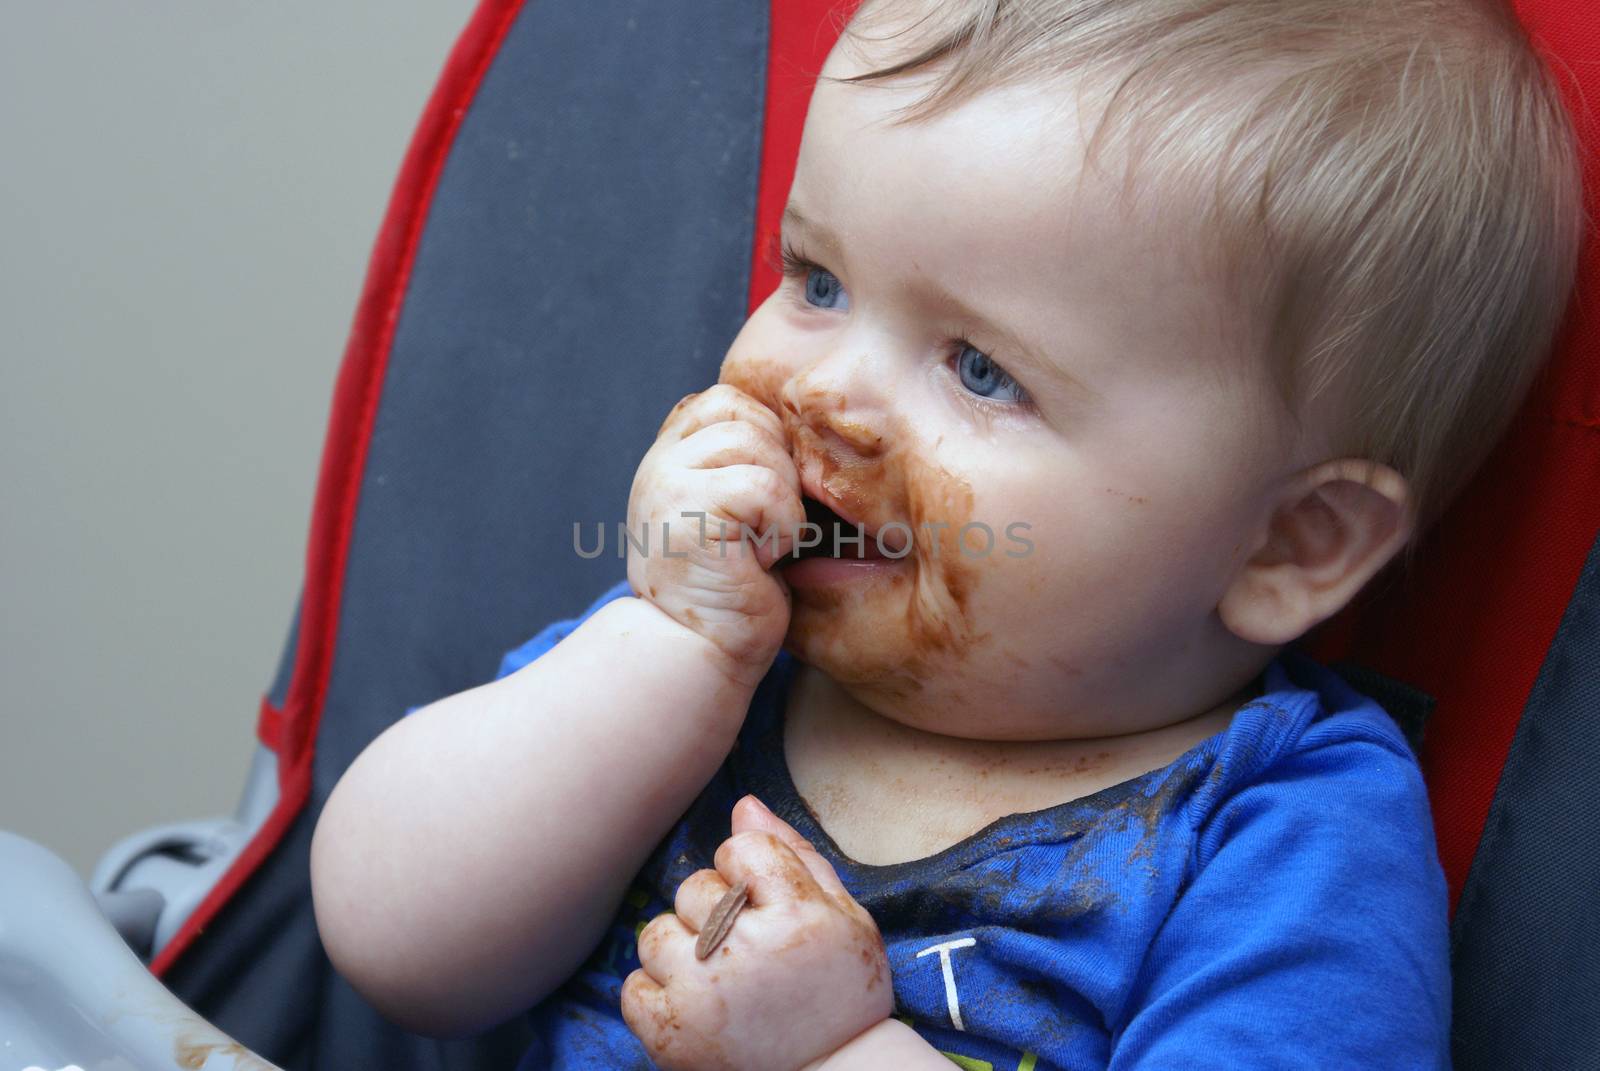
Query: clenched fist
[
  {"x": 718, "y": 499},
  {"x": 801, "y": 972}
]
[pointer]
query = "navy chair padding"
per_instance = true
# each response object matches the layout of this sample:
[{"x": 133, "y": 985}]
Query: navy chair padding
[{"x": 1525, "y": 940}]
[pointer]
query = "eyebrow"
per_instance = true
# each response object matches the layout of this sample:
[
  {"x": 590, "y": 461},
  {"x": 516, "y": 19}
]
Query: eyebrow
[{"x": 1032, "y": 356}]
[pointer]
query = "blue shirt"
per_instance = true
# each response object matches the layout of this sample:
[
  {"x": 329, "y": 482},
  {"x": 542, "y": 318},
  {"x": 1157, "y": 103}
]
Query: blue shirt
[{"x": 1271, "y": 899}]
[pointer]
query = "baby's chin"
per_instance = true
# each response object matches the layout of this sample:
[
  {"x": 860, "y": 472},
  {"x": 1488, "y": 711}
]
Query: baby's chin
[
  {"x": 930, "y": 693},
  {"x": 887, "y": 636}
]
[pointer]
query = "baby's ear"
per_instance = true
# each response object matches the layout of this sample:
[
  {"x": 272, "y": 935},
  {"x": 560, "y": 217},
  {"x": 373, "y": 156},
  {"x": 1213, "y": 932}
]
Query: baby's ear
[{"x": 1336, "y": 525}]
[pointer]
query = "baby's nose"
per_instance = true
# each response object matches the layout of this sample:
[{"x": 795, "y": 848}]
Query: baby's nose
[
  {"x": 854, "y": 424},
  {"x": 862, "y": 437}
]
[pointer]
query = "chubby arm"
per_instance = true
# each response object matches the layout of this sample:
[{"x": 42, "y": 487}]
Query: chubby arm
[
  {"x": 472, "y": 855},
  {"x": 889, "y": 1044}
]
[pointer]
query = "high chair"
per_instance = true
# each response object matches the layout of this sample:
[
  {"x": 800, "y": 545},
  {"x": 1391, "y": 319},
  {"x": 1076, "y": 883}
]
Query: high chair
[{"x": 577, "y": 232}]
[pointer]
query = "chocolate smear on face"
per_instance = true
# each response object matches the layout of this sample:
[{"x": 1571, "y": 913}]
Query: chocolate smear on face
[{"x": 883, "y": 640}]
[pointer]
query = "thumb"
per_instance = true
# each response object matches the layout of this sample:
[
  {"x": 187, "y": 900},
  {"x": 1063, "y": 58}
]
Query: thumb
[{"x": 751, "y": 814}]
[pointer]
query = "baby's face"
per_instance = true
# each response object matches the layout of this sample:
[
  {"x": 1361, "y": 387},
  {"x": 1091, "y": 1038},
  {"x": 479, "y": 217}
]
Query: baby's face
[{"x": 966, "y": 337}]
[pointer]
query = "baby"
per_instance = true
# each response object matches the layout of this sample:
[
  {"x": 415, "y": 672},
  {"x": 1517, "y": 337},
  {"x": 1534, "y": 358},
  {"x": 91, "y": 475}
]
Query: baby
[{"x": 1125, "y": 341}]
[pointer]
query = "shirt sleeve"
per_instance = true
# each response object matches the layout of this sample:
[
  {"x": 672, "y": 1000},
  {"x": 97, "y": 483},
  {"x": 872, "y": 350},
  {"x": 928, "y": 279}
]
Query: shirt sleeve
[
  {"x": 548, "y": 637},
  {"x": 555, "y": 632},
  {"x": 1314, "y": 931}
]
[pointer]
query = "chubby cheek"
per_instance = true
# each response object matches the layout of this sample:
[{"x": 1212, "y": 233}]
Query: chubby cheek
[
  {"x": 1118, "y": 579},
  {"x": 757, "y": 362},
  {"x": 764, "y": 354},
  {"x": 909, "y": 631}
]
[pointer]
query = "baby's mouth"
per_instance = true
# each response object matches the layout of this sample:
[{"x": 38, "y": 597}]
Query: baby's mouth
[
  {"x": 846, "y": 497},
  {"x": 840, "y": 538}
]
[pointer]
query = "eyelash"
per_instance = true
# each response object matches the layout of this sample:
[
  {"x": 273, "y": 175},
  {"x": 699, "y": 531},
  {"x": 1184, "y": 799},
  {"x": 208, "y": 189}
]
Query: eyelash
[{"x": 794, "y": 264}]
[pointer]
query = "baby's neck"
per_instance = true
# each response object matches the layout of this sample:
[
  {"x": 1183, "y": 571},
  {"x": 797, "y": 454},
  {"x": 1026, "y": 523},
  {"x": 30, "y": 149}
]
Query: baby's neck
[{"x": 888, "y": 793}]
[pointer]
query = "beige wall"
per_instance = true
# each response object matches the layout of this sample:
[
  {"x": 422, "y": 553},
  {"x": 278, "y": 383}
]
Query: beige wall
[{"x": 188, "y": 191}]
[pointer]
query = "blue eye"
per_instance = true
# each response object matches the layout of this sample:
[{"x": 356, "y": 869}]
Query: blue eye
[
  {"x": 822, "y": 289},
  {"x": 986, "y": 379},
  {"x": 821, "y": 285}
]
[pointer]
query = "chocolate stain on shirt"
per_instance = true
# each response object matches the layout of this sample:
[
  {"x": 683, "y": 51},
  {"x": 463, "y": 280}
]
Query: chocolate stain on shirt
[{"x": 981, "y": 893}]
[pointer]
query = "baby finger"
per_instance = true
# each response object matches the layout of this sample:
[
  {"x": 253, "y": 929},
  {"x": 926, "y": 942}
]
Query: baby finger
[
  {"x": 666, "y": 948},
  {"x": 697, "y": 895},
  {"x": 714, "y": 405},
  {"x": 735, "y": 442}
]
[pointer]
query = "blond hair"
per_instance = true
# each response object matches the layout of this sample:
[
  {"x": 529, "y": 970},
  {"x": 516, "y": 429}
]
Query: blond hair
[{"x": 1406, "y": 169}]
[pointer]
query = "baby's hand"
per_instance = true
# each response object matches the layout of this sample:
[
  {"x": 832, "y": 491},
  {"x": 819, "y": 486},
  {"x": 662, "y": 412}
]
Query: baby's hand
[
  {"x": 723, "y": 455},
  {"x": 801, "y": 971}
]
